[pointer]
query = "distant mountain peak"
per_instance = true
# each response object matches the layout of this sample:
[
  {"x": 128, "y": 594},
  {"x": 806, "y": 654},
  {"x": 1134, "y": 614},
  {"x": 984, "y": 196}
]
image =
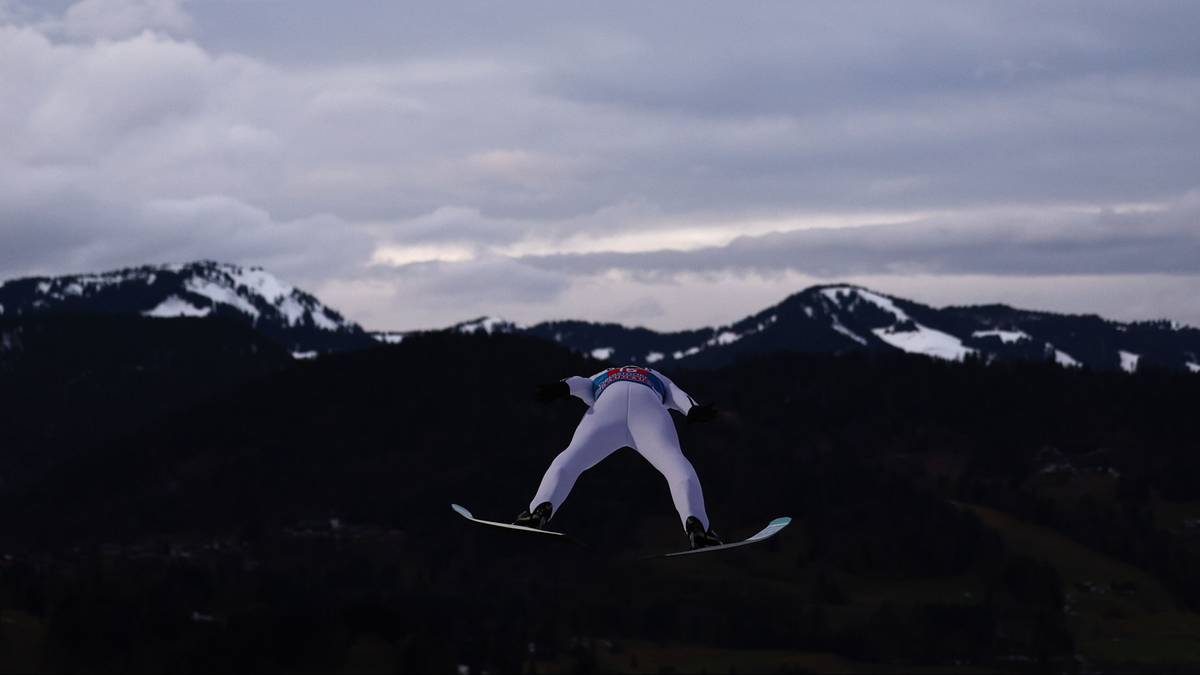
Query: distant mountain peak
[
  {"x": 890, "y": 323},
  {"x": 848, "y": 317},
  {"x": 198, "y": 289},
  {"x": 248, "y": 289}
]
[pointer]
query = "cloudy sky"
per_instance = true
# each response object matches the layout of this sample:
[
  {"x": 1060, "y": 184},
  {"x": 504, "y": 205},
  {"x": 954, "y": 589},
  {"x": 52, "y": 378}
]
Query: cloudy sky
[{"x": 663, "y": 164}]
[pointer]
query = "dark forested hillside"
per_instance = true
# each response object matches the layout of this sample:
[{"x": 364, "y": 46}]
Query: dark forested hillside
[
  {"x": 1011, "y": 516},
  {"x": 68, "y": 382}
]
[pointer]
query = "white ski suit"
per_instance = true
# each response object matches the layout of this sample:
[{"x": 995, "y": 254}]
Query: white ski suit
[{"x": 627, "y": 406}]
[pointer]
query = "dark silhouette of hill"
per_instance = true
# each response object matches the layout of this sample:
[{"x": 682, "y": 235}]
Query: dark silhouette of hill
[
  {"x": 298, "y": 519},
  {"x": 69, "y": 382}
]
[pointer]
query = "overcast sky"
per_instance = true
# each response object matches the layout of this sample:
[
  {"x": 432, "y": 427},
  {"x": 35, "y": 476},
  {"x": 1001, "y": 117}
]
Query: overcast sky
[{"x": 664, "y": 164}]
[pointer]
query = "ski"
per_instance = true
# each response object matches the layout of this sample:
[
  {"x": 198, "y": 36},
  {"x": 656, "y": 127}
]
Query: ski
[
  {"x": 462, "y": 511},
  {"x": 773, "y": 528}
]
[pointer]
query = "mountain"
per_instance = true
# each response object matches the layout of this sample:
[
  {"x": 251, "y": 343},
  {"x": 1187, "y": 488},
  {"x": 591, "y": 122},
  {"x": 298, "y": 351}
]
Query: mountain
[
  {"x": 820, "y": 319},
  {"x": 281, "y": 312},
  {"x": 841, "y": 318}
]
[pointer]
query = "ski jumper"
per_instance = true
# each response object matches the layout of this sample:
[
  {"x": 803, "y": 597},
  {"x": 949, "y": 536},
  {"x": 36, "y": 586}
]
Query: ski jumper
[{"x": 626, "y": 407}]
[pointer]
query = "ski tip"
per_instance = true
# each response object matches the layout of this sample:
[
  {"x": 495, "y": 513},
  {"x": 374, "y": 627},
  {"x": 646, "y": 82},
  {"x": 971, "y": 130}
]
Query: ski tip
[
  {"x": 462, "y": 511},
  {"x": 780, "y": 522}
]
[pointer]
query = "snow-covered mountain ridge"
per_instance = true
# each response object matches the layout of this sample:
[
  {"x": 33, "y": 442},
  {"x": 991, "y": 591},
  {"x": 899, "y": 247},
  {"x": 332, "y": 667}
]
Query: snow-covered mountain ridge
[
  {"x": 201, "y": 289},
  {"x": 823, "y": 319},
  {"x": 840, "y": 318}
]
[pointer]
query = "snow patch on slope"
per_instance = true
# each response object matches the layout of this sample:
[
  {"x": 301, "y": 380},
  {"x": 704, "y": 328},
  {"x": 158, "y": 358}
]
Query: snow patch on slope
[
  {"x": 918, "y": 339},
  {"x": 220, "y": 295},
  {"x": 1060, "y": 357},
  {"x": 262, "y": 283},
  {"x": 89, "y": 283},
  {"x": 487, "y": 324},
  {"x": 248, "y": 290},
  {"x": 884, "y": 303},
  {"x": 1006, "y": 336},
  {"x": 1064, "y": 359},
  {"x": 725, "y": 338},
  {"x": 654, "y": 357},
  {"x": 175, "y": 306},
  {"x": 292, "y": 310},
  {"x": 837, "y": 325},
  {"x": 602, "y": 353},
  {"x": 323, "y": 320},
  {"x": 238, "y": 287},
  {"x": 722, "y": 337},
  {"x": 926, "y": 341},
  {"x": 1129, "y": 361},
  {"x": 1193, "y": 366}
]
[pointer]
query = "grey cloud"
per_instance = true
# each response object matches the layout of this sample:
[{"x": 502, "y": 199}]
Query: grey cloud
[
  {"x": 642, "y": 309},
  {"x": 722, "y": 60},
  {"x": 122, "y": 18},
  {"x": 456, "y": 224},
  {"x": 478, "y": 283},
  {"x": 1162, "y": 242},
  {"x": 305, "y": 250},
  {"x": 75, "y": 232},
  {"x": 824, "y": 112}
]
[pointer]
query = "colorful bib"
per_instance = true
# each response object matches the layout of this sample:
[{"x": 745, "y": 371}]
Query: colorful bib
[{"x": 627, "y": 374}]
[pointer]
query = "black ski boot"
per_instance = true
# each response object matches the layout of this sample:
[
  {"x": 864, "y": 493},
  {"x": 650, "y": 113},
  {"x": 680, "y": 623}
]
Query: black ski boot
[
  {"x": 697, "y": 537},
  {"x": 538, "y": 519}
]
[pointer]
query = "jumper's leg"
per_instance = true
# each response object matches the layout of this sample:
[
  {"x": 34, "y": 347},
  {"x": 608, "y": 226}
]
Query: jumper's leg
[
  {"x": 655, "y": 438},
  {"x": 599, "y": 434}
]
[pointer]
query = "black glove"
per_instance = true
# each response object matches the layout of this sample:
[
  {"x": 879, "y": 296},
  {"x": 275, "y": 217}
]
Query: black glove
[
  {"x": 701, "y": 413},
  {"x": 551, "y": 391}
]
